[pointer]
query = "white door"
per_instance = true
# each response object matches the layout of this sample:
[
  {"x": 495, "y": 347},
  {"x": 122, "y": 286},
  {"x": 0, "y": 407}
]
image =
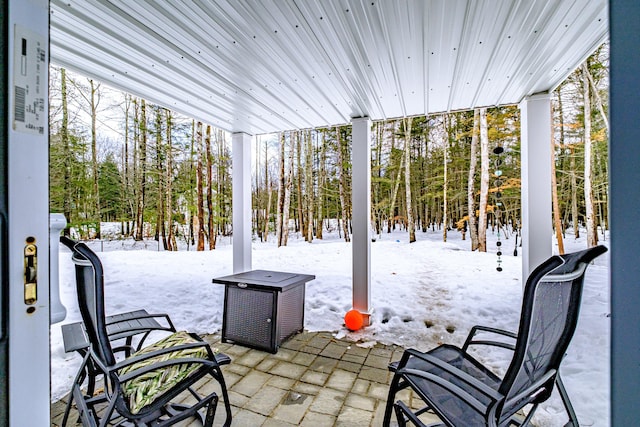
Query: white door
[{"x": 24, "y": 155}]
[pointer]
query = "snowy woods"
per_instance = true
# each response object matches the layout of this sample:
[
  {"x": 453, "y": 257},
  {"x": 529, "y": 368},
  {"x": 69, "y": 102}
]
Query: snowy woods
[{"x": 115, "y": 157}]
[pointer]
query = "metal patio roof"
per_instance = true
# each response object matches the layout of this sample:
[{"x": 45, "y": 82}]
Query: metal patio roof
[{"x": 259, "y": 66}]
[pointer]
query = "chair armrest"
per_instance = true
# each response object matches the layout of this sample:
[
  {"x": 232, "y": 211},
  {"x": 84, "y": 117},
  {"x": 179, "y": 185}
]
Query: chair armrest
[
  {"x": 140, "y": 357},
  {"x": 163, "y": 364},
  {"x": 122, "y": 326},
  {"x": 452, "y": 388},
  {"x": 452, "y": 370},
  {"x": 222, "y": 359},
  {"x": 479, "y": 328},
  {"x": 531, "y": 390}
]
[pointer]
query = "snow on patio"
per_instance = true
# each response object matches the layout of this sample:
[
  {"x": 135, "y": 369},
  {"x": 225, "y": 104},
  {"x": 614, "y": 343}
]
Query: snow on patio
[{"x": 423, "y": 294}]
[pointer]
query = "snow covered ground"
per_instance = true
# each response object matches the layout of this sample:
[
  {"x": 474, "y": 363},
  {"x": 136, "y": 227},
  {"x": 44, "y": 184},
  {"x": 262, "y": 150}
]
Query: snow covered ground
[{"x": 423, "y": 294}]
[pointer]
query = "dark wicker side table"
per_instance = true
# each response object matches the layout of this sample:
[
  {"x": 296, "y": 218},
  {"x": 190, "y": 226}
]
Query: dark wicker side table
[{"x": 263, "y": 308}]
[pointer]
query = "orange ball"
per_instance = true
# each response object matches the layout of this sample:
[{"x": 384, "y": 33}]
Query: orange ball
[{"x": 353, "y": 320}]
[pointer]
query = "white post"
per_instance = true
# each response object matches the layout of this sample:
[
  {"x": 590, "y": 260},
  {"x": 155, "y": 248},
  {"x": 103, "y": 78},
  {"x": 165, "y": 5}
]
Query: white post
[
  {"x": 361, "y": 211},
  {"x": 241, "y": 149},
  {"x": 57, "y": 223},
  {"x": 535, "y": 119}
]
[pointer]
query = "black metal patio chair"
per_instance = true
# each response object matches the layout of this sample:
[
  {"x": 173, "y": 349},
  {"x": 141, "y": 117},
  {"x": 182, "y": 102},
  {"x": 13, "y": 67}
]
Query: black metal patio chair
[
  {"x": 143, "y": 389},
  {"x": 461, "y": 391}
]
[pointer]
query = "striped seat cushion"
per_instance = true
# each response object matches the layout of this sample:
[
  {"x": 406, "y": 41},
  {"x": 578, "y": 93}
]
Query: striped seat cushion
[{"x": 145, "y": 389}]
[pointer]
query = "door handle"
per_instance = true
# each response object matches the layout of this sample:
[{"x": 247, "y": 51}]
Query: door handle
[{"x": 30, "y": 271}]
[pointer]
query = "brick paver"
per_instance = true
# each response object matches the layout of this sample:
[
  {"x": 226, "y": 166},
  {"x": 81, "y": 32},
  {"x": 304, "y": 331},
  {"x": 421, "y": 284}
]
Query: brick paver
[{"x": 313, "y": 380}]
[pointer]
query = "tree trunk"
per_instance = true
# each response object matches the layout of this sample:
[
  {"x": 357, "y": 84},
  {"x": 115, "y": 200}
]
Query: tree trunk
[
  {"x": 142, "y": 156},
  {"x": 471, "y": 191},
  {"x": 287, "y": 190},
  {"x": 592, "y": 235},
  {"x": 484, "y": 181},
  {"x": 445, "y": 212},
  {"x": 64, "y": 134},
  {"x": 342, "y": 186},
  {"x": 554, "y": 196},
  {"x": 394, "y": 195},
  {"x": 299, "y": 173},
  {"x": 407, "y": 179},
  {"x": 94, "y": 155},
  {"x": 561, "y": 143},
  {"x": 321, "y": 185},
  {"x": 574, "y": 195},
  {"x": 171, "y": 238},
  {"x": 126, "y": 182},
  {"x": 200, "y": 188},
  {"x": 210, "y": 225},
  {"x": 281, "y": 191},
  {"x": 161, "y": 231},
  {"x": 267, "y": 181},
  {"x": 309, "y": 187},
  {"x": 221, "y": 182}
]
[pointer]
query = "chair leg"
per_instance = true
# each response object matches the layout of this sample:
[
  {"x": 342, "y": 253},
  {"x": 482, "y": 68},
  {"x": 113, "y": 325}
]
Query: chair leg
[
  {"x": 404, "y": 414},
  {"x": 573, "y": 419},
  {"x": 211, "y": 412},
  {"x": 67, "y": 410},
  {"x": 402, "y": 422},
  {"x": 393, "y": 389},
  {"x": 225, "y": 396},
  {"x": 83, "y": 372}
]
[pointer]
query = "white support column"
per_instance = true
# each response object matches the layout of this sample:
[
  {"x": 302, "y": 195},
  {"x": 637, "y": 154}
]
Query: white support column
[
  {"x": 241, "y": 150},
  {"x": 535, "y": 133},
  {"x": 361, "y": 211}
]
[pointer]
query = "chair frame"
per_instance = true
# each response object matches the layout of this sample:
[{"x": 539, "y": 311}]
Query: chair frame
[
  {"x": 123, "y": 326},
  {"x": 503, "y": 401},
  {"x": 100, "y": 356}
]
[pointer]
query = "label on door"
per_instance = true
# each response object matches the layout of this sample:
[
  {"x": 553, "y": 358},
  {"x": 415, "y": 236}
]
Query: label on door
[{"x": 29, "y": 81}]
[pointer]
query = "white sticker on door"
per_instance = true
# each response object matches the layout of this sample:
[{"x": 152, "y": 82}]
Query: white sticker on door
[{"x": 29, "y": 81}]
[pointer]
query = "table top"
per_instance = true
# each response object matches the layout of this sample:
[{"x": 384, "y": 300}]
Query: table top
[{"x": 265, "y": 279}]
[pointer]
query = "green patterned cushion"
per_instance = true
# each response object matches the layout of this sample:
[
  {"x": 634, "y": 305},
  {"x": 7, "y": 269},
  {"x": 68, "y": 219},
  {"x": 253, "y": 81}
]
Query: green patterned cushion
[{"x": 145, "y": 389}]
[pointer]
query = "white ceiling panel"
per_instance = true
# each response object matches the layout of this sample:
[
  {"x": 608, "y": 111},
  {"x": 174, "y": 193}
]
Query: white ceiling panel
[{"x": 260, "y": 66}]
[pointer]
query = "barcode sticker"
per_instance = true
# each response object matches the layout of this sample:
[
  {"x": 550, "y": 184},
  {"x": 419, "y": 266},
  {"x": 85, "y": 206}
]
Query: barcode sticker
[
  {"x": 19, "y": 104},
  {"x": 30, "y": 68}
]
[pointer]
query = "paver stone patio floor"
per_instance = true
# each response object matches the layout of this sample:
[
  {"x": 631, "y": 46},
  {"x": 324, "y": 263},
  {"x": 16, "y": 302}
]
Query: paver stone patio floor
[{"x": 313, "y": 380}]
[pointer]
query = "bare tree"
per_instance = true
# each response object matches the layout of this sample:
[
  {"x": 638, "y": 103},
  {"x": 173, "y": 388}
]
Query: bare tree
[
  {"x": 554, "y": 197},
  {"x": 484, "y": 181},
  {"x": 267, "y": 180},
  {"x": 309, "y": 193},
  {"x": 171, "y": 238},
  {"x": 210, "y": 225},
  {"x": 394, "y": 194},
  {"x": 471, "y": 191},
  {"x": 93, "y": 101},
  {"x": 281, "y": 191},
  {"x": 199, "y": 187},
  {"x": 64, "y": 134},
  {"x": 342, "y": 185},
  {"x": 287, "y": 189},
  {"x": 407, "y": 178},
  {"x": 322, "y": 181},
  {"x": 299, "y": 175},
  {"x": 126, "y": 182},
  {"x": 142, "y": 160},
  {"x": 592, "y": 235},
  {"x": 161, "y": 233},
  {"x": 445, "y": 188}
]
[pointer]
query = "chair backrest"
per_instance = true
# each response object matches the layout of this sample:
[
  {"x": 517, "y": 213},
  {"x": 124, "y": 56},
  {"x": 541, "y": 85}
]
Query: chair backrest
[
  {"x": 549, "y": 316},
  {"x": 90, "y": 291}
]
